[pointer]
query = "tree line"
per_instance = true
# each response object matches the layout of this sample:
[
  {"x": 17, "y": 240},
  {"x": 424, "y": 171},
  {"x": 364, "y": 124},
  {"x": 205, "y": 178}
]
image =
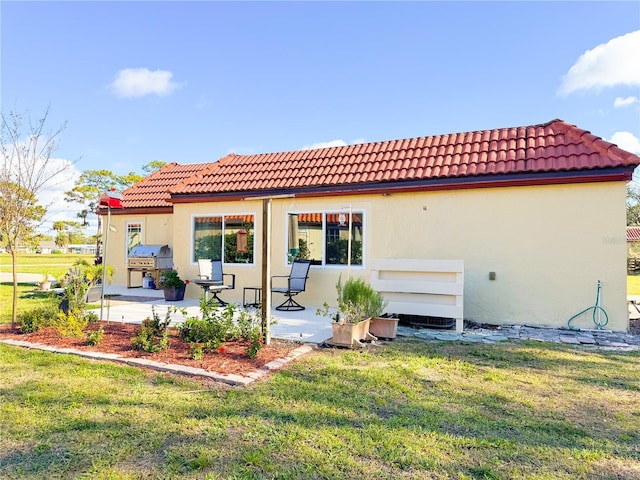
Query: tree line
[{"x": 26, "y": 149}]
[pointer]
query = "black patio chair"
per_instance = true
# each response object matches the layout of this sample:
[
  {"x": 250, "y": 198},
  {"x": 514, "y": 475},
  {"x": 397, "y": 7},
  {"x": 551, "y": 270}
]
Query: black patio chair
[
  {"x": 212, "y": 279},
  {"x": 296, "y": 283}
]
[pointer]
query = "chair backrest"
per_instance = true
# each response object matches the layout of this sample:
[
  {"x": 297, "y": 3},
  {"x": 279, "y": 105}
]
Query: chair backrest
[
  {"x": 204, "y": 265},
  {"x": 216, "y": 270},
  {"x": 299, "y": 274}
]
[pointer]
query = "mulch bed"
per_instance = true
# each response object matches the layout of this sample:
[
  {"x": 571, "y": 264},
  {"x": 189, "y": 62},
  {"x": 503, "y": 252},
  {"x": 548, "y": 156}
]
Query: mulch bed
[{"x": 231, "y": 359}]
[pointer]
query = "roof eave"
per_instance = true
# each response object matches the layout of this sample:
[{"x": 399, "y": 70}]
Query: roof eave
[
  {"x": 449, "y": 183},
  {"x": 138, "y": 210}
]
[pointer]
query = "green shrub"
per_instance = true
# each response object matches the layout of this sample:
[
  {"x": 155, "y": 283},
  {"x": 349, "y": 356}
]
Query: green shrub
[
  {"x": 94, "y": 337},
  {"x": 37, "y": 318},
  {"x": 196, "y": 351},
  {"x": 153, "y": 334},
  {"x": 246, "y": 324},
  {"x": 255, "y": 343},
  {"x": 217, "y": 325},
  {"x": 70, "y": 324}
]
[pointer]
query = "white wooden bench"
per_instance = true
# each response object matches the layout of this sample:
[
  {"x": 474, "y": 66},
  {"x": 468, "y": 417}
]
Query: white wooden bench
[{"x": 431, "y": 288}]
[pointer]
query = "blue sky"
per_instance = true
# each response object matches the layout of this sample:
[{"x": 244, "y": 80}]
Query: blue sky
[{"x": 193, "y": 81}]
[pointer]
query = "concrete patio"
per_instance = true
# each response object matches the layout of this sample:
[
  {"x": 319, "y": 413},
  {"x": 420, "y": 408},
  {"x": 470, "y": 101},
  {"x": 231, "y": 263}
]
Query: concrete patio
[{"x": 133, "y": 305}]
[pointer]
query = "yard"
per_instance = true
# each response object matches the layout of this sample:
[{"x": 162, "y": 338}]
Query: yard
[{"x": 409, "y": 409}]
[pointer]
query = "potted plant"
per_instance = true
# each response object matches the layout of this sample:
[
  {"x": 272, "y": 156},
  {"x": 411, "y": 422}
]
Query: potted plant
[
  {"x": 384, "y": 326},
  {"x": 381, "y": 325},
  {"x": 173, "y": 286},
  {"x": 357, "y": 302},
  {"x": 45, "y": 284}
]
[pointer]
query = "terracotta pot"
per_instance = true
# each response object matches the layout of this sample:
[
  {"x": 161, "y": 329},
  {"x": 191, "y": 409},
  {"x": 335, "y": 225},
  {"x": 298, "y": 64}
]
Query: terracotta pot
[
  {"x": 384, "y": 327},
  {"x": 351, "y": 334}
]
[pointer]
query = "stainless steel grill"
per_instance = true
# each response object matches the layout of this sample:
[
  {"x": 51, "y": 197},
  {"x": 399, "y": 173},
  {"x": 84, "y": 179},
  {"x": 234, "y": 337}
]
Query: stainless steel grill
[{"x": 149, "y": 259}]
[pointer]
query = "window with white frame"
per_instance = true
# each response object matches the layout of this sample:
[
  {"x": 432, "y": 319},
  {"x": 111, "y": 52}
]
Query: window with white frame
[
  {"x": 134, "y": 235},
  {"x": 229, "y": 237},
  {"x": 323, "y": 237}
]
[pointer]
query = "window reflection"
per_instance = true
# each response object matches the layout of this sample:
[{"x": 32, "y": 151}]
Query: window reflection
[
  {"x": 234, "y": 233},
  {"x": 323, "y": 238}
]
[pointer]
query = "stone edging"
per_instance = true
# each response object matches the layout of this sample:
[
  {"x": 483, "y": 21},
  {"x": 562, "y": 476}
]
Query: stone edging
[{"x": 231, "y": 379}]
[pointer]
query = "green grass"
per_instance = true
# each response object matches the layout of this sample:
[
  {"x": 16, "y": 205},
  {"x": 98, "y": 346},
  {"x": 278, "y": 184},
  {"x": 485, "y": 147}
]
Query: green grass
[
  {"x": 54, "y": 265},
  {"x": 408, "y": 410},
  {"x": 33, "y": 263},
  {"x": 27, "y": 299}
]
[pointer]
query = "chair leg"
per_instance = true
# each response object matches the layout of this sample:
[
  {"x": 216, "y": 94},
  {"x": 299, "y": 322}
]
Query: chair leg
[
  {"x": 215, "y": 298},
  {"x": 289, "y": 305}
]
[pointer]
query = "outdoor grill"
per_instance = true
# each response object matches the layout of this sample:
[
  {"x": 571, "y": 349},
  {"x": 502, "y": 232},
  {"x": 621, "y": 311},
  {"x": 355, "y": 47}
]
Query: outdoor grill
[{"x": 149, "y": 260}]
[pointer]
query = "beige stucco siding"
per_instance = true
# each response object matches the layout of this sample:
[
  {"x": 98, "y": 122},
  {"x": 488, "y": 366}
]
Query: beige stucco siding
[
  {"x": 547, "y": 245},
  {"x": 156, "y": 230}
]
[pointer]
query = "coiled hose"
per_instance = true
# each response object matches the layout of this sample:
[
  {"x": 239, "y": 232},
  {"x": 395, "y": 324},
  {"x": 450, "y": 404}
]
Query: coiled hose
[{"x": 596, "y": 315}]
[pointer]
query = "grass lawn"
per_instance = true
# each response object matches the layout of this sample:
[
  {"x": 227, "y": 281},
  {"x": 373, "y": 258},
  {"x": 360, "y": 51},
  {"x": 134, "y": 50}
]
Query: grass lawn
[
  {"x": 26, "y": 299},
  {"x": 408, "y": 410},
  {"x": 33, "y": 263}
]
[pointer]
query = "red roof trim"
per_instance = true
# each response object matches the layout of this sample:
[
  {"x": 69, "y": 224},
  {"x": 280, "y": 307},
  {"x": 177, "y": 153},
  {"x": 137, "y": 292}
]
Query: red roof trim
[{"x": 458, "y": 183}]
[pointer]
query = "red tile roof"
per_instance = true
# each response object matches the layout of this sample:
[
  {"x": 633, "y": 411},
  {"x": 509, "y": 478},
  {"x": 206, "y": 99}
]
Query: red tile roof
[
  {"x": 551, "y": 147},
  {"x": 633, "y": 234},
  {"x": 548, "y": 151},
  {"x": 153, "y": 190}
]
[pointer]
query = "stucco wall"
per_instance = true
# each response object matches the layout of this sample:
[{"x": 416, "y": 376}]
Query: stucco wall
[
  {"x": 547, "y": 245},
  {"x": 156, "y": 230}
]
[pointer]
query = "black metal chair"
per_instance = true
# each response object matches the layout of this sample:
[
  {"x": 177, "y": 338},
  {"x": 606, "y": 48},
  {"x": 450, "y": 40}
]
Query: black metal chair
[
  {"x": 296, "y": 283},
  {"x": 212, "y": 279}
]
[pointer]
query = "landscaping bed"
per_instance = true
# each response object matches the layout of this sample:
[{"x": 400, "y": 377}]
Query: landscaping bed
[{"x": 230, "y": 358}]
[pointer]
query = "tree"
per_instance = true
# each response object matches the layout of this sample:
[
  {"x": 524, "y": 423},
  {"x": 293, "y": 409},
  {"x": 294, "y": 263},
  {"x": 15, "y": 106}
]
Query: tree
[
  {"x": 633, "y": 206},
  {"x": 88, "y": 188},
  {"x": 93, "y": 183},
  {"x": 68, "y": 232},
  {"x": 26, "y": 168},
  {"x": 153, "y": 166}
]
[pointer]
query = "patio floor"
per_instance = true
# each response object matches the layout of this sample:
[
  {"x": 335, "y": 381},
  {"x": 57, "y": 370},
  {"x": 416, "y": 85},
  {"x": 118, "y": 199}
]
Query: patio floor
[{"x": 133, "y": 305}]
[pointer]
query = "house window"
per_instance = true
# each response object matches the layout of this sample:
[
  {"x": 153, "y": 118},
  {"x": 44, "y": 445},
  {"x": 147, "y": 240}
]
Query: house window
[
  {"x": 323, "y": 237},
  {"x": 337, "y": 238},
  {"x": 134, "y": 235},
  {"x": 231, "y": 234}
]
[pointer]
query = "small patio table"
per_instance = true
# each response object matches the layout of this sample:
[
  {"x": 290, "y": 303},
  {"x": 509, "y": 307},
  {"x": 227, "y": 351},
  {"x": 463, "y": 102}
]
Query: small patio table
[{"x": 257, "y": 296}]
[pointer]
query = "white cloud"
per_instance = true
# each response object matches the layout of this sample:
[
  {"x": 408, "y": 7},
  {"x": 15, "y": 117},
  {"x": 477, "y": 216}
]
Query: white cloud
[
  {"x": 51, "y": 196},
  {"x": 626, "y": 141},
  {"x": 332, "y": 143},
  {"x": 624, "y": 102},
  {"x": 616, "y": 62},
  {"x": 138, "y": 82}
]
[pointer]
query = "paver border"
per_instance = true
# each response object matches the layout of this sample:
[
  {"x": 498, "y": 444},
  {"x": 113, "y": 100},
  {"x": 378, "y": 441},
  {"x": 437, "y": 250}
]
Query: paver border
[{"x": 229, "y": 379}]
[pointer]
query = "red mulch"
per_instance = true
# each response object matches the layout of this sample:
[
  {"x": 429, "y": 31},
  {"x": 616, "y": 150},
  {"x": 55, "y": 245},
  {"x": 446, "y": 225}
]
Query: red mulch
[{"x": 117, "y": 339}]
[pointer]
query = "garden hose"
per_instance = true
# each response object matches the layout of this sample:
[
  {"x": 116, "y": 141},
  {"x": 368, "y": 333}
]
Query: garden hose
[{"x": 596, "y": 315}]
